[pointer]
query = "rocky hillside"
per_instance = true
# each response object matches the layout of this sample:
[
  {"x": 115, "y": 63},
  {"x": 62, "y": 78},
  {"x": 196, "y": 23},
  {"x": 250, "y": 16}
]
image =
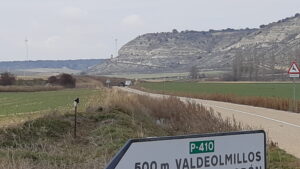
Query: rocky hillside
[{"x": 250, "y": 52}]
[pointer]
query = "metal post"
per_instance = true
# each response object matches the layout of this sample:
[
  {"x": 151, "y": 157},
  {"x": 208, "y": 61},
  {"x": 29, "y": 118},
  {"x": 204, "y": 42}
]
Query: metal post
[
  {"x": 76, "y": 102},
  {"x": 75, "y": 121},
  {"x": 164, "y": 87},
  {"x": 295, "y": 104},
  {"x": 294, "y": 72}
]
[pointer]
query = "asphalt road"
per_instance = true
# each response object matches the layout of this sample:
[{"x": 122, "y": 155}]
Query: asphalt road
[{"x": 281, "y": 127}]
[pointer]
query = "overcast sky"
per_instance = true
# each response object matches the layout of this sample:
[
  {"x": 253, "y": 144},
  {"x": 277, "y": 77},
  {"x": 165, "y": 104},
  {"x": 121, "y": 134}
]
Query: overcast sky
[{"x": 81, "y": 29}]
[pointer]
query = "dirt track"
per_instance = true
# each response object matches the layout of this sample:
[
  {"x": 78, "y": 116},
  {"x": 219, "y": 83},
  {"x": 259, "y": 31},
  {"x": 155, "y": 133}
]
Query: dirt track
[{"x": 281, "y": 127}]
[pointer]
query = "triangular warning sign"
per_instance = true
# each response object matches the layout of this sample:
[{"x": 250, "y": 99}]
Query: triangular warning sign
[{"x": 294, "y": 69}]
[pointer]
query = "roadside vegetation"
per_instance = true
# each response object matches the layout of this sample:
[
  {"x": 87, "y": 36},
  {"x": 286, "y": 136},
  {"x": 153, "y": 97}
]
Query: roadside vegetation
[
  {"x": 277, "y": 96},
  {"x": 65, "y": 80},
  {"x": 10, "y": 83},
  {"x": 106, "y": 121}
]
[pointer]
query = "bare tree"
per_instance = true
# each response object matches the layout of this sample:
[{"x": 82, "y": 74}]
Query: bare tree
[
  {"x": 297, "y": 54},
  {"x": 272, "y": 65},
  {"x": 263, "y": 67},
  {"x": 66, "y": 80},
  {"x": 194, "y": 74},
  {"x": 237, "y": 66},
  {"x": 7, "y": 79},
  {"x": 256, "y": 65}
]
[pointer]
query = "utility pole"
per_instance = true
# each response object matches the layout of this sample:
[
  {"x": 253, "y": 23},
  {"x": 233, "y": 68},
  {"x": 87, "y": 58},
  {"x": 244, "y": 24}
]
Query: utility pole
[
  {"x": 27, "y": 53},
  {"x": 165, "y": 66}
]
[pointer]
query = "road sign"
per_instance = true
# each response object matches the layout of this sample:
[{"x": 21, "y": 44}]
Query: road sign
[
  {"x": 76, "y": 102},
  {"x": 223, "y": 151},
  {"x": 294, "y": 70}
]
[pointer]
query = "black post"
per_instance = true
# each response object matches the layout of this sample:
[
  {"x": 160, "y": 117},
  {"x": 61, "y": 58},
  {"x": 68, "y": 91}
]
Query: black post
[
  {"x": 76, "y": 102},
  {"x": 75, "y": 121}
]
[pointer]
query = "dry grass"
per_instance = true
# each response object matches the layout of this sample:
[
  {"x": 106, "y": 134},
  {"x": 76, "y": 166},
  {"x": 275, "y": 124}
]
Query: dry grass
[
  {"x": 48, "y": 142},
  {"x": 266, "y": 102},
  {"x": 16, "y": 120},
  {"x": 111, "y": 118},
  {"x": 88, "y": 82},
  {"x": 173, "y": 114}
]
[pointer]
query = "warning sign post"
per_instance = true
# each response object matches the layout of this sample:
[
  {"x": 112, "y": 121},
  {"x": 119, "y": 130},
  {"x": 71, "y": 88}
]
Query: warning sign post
[
  {"x": 236, "y": 150},
  {"x": 294, "y": 73},
  {"x": 294, "y": 70}
]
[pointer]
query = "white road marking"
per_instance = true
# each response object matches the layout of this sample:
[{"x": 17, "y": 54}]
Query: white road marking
[
  {"x": 251, "y": 114},
  {"x": 243, "y": 112}
]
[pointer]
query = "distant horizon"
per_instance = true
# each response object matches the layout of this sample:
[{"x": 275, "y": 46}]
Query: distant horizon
[
  {"x": 52, "y": 30},
  {"x": 49, "y": 60}
]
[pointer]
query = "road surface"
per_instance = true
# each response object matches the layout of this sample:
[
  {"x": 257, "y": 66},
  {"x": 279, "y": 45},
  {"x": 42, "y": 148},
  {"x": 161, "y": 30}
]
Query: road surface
[{"x": 281, "y": 127}]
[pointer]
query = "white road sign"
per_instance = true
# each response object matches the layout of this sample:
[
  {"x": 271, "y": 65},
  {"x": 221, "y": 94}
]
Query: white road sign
[
  {"x": 237, "y": 150},
  {"x": 294, "y": 70},
  {"x": 294, "y": 75}
]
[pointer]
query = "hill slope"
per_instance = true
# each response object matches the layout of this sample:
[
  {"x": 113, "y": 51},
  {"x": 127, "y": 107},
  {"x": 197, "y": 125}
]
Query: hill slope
[{"x": 267, "y": 49}]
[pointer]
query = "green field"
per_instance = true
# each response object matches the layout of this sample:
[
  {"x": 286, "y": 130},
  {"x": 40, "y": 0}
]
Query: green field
[
  {"x": 283, "y": 90},
  {"x": 166, "y": 75},
  {"x": 25, "y": 102}
]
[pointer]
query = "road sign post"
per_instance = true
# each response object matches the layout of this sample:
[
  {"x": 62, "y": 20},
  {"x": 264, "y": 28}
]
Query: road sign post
[
  {"x": 236, "y": 150},
  {"x": 294, "y": 95},
  {"x": 108, "y": 83},
  {"x": 294, "y": 73},
  {"x": 76, "y": 102}
]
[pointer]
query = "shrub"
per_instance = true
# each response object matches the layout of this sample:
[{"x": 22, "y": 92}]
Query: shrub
[
  {"x": 30, "y": 82},
  {"x": 67, "y": 80},
  {"x": 52, "y": 80},
  {"x": 7, "y": 79}
]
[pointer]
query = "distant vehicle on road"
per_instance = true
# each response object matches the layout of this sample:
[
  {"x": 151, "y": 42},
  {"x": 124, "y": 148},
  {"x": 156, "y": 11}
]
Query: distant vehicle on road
[{"x": 126, "y": 83}]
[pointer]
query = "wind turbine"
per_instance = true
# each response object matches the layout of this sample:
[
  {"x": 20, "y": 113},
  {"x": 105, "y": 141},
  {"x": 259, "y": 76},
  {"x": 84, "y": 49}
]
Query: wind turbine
[
  {"x": 27, "y": 49},
  {"x": 27, "y": 53}
]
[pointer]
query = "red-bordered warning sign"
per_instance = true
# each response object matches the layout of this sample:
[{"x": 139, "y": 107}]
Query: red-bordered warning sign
[{"x": 294, "y": 69}]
